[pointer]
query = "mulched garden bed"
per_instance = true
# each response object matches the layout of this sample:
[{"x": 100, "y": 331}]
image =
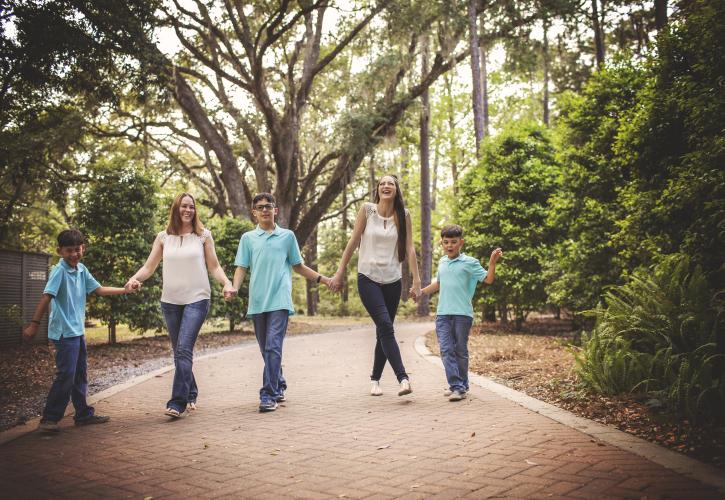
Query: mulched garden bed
[
  {"x": 538, "y": 361},
  {"x": 26, "y": 372}
]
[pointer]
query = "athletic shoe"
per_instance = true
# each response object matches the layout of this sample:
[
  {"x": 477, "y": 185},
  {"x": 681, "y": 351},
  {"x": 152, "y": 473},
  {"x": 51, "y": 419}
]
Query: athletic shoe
[
  {"x": 404, "y": 387},
  {"x": 375, "y": 389},
  {"x": 93, "y": 419},
  {"x": 447, "y": 392},
  {"x": 457, "y": 396},
  {"x": 172, "y": 412},
  {"x": 281, "y": 398},
  {"x": 191, "y": 405},
  {"x": 48, "y": 426},
  {"x": 267, "y": 405}
]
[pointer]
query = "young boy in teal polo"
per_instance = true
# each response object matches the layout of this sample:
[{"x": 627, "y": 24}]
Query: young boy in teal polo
[
  {"x": 269, "y": 252},
  {"x": 458, "y": 275},
  {"x": 68, "y": 284}
]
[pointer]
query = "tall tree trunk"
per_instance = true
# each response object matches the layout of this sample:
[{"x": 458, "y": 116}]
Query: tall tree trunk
[
  {"x": 112, "y": 331},
  {"x": 475, "y": 75},
  {"x": 403, "y": 176},
  {"x": 546, "y": 71},
  {"x": 434, "y": 178},
  {"x": 345, "y": 223},
  {"x": 660, "y": 14},
  {"x": 598, "y": 34},
  {"x": 426, "y": 252},
  {"x": 453, "y": 146},
  {"x": 484, "y": 84},
  {"x": 313, "y": 293}
]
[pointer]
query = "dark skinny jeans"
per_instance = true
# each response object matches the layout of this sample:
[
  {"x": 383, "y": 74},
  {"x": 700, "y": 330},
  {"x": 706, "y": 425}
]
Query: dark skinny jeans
[{"x": 381, "y": 302}]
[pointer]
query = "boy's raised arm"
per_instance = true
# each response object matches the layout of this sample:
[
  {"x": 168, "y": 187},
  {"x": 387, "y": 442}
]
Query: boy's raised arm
[
  {"x": 30, "y": 330},
  {"x": 495, "y": 255}
]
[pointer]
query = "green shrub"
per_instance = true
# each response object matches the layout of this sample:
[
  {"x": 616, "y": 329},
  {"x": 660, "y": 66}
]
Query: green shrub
[{"x": 660, "y": 333}]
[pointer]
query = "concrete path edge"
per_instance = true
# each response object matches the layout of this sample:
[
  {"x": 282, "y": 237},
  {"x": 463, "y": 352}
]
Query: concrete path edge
[
  {"x": 672, "y": 460},
  {"x": 31, "y": 425}
]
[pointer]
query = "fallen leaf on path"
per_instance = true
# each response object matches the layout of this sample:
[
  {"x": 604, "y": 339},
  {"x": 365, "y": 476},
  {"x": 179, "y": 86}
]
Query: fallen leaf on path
[
  {"x": 383, "y": 447},
  {"x": 530, "y": 462}
]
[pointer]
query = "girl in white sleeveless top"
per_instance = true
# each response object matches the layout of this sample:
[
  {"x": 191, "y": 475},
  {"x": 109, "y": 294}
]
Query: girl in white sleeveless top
[
  {"x": 383, "y": 232},
  {"x": 187, "y": 249}
]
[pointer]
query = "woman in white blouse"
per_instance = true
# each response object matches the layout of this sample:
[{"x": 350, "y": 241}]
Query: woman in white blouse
[
  {"x": 383, "y": 232},
  {"x": 187, "y": 249}
]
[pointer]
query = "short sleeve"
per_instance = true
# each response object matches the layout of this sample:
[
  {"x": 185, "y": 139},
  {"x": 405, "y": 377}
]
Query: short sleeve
[
  {"x": 206, "y": 235},
  {"x": 293, "y": 251},
  {"x": 476, "y": 270},
  {"x": 91, "y": 283},
  {"x": 243, "y": 253},
  {"x": 55, "y": 280}
]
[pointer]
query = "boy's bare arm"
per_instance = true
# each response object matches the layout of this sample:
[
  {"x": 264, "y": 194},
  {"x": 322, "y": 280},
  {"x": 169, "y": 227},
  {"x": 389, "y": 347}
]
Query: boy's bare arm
[
  {"x": 431, "y": 289},
  {"x": 495, "y": 255},
  {"x": 311, "y": 274},
  {"x": 102, "y": 291},
  {"x": 30, "y": 330},
  {"x": 239, "y": 274}
]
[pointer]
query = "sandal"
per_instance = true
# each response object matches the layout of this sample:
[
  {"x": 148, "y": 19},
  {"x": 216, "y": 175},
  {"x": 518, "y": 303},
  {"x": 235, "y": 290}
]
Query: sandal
[{"x": 172, "y": 412}]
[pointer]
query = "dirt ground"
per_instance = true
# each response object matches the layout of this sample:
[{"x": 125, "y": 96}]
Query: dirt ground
[
  {"x": 539, "y": 361},
  {"x": 26, "y": 372}
]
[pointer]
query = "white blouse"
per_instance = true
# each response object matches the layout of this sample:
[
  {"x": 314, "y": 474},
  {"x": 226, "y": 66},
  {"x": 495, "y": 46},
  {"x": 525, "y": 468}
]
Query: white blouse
[
  {"x": 185, "y": 277},
  {"x": 378, "y": 258}
]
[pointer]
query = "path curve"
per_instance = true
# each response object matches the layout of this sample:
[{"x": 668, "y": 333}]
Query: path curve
[{"x": 330, "y": 440}]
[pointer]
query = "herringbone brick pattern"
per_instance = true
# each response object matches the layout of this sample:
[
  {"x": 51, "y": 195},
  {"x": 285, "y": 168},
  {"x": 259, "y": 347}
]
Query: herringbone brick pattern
[{"x": 330, "y": 440}]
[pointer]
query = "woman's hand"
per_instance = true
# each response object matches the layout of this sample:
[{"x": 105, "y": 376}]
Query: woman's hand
[
  {"x": 132, "y": 285},
  {"x": 229, "y": 291},
  {"x": 335, "y": 284}
]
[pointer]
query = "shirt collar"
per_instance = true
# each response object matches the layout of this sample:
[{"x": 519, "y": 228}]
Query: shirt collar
[
  {"x": 68, "y": 268},
  {"x": 448, "y": 259},
  {"x": 259, "y": 231}
]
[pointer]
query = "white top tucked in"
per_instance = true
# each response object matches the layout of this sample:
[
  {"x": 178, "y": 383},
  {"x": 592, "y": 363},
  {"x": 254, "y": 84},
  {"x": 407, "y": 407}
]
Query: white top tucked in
[
  {"x": 185, "y": 277},
  {"x": 378, "y": 258}
]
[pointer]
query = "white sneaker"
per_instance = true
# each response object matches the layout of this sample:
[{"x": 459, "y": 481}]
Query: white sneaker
[
  {"x": 457, "y": 396},
  {"x": 404, "y": 387},
  {"x": 375, "y": 389},
  {"x": 447, "y": 392}
]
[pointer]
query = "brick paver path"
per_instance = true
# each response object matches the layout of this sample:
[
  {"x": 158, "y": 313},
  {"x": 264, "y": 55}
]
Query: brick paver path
[{"x": 330, "y": 440}]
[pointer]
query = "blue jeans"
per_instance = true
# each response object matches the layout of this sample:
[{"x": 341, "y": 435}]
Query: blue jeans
[
  {"x": 452, "y": 331},
  {"x": 381, "y": 302},
  {"x": 71, "y": 380},
  {"x": 270, "y": 328},
  {"x": 183, "y": 323}
]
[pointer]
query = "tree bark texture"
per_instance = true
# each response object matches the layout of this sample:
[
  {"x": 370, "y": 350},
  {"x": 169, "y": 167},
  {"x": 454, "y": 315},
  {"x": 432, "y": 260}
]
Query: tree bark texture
[
  {"x": 476, "y": 95},
  {"x": 426, "y": 252}
]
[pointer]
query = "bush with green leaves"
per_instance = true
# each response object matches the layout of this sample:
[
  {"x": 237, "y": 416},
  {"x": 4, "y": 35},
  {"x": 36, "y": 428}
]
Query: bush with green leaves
[
  {"x": 226, "y": 233},
  {"x": 117, "y": 212},
  {"x": 662, "y": 333},
  {"x": 504, "y": 202}
]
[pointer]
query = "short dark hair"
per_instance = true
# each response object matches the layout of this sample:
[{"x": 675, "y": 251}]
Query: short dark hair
[
  {"x": 452, "y": 231},
  {"x": 71, "y": 238},
  {"x": 263, "y": 196}
]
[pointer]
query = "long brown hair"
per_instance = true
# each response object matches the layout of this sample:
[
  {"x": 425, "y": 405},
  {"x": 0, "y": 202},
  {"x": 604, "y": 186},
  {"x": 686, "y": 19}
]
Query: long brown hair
[
  {"x": 399, "y": 206},
  {"x": 175, "y": 225}
]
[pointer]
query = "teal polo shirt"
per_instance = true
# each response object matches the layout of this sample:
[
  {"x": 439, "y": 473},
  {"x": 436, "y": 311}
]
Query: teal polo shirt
[
  {"x": 69, "y": 288},
  {"x": 457, "y": 279},
  {"x": 269, "y": 257}
]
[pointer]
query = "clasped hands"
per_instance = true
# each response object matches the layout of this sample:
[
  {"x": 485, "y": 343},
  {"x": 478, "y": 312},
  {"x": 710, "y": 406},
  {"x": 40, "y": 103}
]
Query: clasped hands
[{"x": 134, "y": 285}]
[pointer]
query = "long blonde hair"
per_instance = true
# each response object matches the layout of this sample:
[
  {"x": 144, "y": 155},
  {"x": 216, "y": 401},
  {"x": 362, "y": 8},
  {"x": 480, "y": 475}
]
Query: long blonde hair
[{"x": 174, "y": 226}]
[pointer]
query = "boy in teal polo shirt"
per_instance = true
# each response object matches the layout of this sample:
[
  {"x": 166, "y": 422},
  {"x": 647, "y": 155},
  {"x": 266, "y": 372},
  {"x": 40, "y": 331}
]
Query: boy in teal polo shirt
[
  {"x": 269, "y": 252},
  {"x": 68, "y": 284},
  {"x": 458, "y": 275}
]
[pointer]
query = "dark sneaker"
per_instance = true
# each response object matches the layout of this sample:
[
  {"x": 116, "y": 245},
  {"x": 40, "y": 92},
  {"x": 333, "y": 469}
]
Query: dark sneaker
[
  {"x": 48, "y": 426},
  {"x": 269, "y": 405},
  {"x": 93, "y": 419},
  {"x": 281, "y": 398}
]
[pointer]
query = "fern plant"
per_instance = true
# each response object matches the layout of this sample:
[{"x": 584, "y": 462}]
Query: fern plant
[{"x": 661, "y": 333}]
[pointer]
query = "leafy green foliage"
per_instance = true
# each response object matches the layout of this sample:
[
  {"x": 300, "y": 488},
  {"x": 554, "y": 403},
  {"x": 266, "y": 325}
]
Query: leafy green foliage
[
  {"x": 503, "y": 201},
  {"x": 117, "y": 212},
  {"x": 226, "y": 233},
  {"x": 662, "y": 332}
]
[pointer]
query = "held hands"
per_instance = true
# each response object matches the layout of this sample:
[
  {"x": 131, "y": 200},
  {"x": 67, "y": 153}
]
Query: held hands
[
  {"x": 415, "y": 293},
  {"x": 334, "y": 283},
  {"x": 229, "y": 292},
  {"x": 132, "y": 285}
]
